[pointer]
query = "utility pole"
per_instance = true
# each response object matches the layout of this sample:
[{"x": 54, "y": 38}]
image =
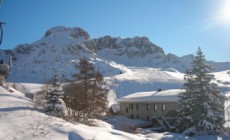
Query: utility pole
[
  {"x": 1, "y": 29},
  {"x": 5, "y": 68}
]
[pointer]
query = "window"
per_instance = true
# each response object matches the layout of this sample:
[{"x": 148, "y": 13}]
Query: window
[
  {"x": 137, "y": 106},
  {"x": 154, "y": 107},
  {"x": 137, "y": 116},
  {"x": 163, "y": 107},
  {"x": 126, "y": 110},
  {"x": 131, "y": 106},
  {"x": 147, "y": 118},
  {"x": 147, "y": 106},
  {"x": 131, "y": 116}
]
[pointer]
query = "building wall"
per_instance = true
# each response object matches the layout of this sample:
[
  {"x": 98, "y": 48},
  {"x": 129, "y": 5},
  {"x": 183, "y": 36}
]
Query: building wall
[{"x": 146, "y": 110}]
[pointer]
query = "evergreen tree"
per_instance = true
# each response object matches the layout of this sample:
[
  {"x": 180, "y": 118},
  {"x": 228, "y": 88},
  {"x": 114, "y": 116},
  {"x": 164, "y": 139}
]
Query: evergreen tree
[
  {"x": 55, "y": 104},
  {"x": 89, "y": 93},
  {"x": 202, "y": 104}
]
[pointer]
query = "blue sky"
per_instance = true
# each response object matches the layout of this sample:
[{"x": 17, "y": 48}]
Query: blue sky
[{"x": 178, "y": 26}]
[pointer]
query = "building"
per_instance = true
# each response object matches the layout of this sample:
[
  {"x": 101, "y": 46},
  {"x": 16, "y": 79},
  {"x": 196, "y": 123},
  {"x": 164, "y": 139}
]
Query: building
[
  {"x": 146, "y": 105},
  {"x": 114, "y": 109}
]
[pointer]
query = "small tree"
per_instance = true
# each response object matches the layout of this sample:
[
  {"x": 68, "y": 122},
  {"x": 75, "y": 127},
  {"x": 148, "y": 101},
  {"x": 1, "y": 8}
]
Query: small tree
[
  {"x": 201, "y": 105},
  {"x": 55, "y": 104},
  {"x": 87, "y": 97}
]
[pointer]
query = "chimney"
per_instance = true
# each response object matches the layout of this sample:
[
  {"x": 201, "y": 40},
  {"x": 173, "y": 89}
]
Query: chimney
[{"x": 159, "y": 90}]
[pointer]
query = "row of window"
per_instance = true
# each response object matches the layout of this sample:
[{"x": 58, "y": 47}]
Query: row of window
[
  {"x": 137, "y": 117},
  {"x": 131, "y": 106}
]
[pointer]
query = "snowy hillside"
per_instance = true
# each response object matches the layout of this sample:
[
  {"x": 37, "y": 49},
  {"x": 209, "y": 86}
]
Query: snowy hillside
[
  {"x": 140, "y": 79},
  {"x": 20, "y": 121},
  {"x": 61, "y": 47},
  {"x": 137, "y": 79}
]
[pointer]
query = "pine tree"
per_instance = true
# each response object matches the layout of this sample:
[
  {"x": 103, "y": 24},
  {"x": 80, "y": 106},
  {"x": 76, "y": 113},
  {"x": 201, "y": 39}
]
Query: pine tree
[
  {"x": 202, "y": 104},
  {"x": 55, "y": 104},
  {"x": 89, "y": 93}
]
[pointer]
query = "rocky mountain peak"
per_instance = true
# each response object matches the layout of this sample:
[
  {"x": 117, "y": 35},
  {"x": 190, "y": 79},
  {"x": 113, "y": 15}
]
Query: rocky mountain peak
[
  {"x": 75, "y": 32},
  {"x": 133, "y": 47}
]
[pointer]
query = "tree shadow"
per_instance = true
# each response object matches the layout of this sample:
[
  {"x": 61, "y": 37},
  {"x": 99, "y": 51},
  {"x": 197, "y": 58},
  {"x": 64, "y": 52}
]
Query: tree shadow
[
  {"x": 71, "y": 135},
  {"x": 8, "y": 109},
  {"x": 74, "y": 136},
  {"x": 15, "y": 96},
  {"x": 127, "y": 136},
  {"x": 114, "y": 133}
]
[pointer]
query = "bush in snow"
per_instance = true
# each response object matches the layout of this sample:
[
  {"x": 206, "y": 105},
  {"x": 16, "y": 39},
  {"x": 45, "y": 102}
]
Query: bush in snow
[
  {"x": 55, "y": 105},
  {"x": 201, "y": 105}
]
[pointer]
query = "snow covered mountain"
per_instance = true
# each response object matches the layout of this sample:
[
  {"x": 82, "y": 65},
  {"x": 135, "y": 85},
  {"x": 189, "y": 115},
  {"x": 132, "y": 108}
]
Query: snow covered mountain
[
  {"x": 61, "y": 47},
  {"x": 130, "y": 64}
]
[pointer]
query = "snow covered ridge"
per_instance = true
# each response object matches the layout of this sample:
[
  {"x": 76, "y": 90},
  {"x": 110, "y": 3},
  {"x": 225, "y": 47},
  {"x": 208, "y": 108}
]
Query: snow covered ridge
[
  {"x": 132, "y": 47},
  {"x": 61, "y": 47}
]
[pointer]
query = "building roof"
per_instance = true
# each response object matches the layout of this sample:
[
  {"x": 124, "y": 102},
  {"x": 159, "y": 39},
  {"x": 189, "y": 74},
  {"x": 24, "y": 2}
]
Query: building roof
[{"x": 153, "y": 96}]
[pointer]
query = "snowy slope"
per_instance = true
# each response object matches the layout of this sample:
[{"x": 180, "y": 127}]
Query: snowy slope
[
  {"x": 140, "y": 79},
  {"x": 144, "y": 79},
  {"x": 137, "y": 79},
  {"x": 20, "y": 121},
  {"x": 223, "y": 80}
]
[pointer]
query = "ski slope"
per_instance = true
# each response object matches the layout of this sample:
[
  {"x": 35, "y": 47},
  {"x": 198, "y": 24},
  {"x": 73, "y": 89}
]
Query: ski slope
[
  {"x": 138, "y": 79},
  {"x": 145, "y": 79}
]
